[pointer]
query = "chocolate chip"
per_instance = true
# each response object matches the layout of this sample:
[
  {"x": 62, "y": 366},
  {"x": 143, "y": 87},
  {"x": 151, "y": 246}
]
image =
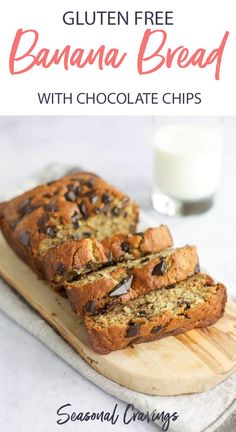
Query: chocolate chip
[
  {"x": 60, "y": 269},
  {"x": 90, "y": 307},
  {"x": 51, "y": 207},
  {"x": 25, "y": 203},
  {"x": 110, "y": 306},
  {"x": 157, "y": 329},
  {"x": 143, "y": 260},
  {"x": 160, "y": 268},
  {"x": 62, "y": 292},
  {"x": 26, "y": 207},
  {"x": 70, "y": 187},
  {"x": 78, "y": 191},
  {"x": 197, "y": 268},
  {"x": 93, "y": 198},
  {"x": 89, "y": 183},
  {"x": 141, "y": 313},
  {"x": 169, "y": 287},
  {"x": 50, "y": 182},
  {"x": 51, "y": 230},
  {"x": 42, "y": 221},
  {"x": 83, "y": 209},
  {"x": 106, "y": 199},
  {"x": 75, "y": 219},
  {"x": 97, "y": 210},
  {"x": 125, "y": 247},
  {"x": 86, "y": 234},
  {"x": 133, "y": 329},
  {"x": 14, "y": 224},
  {"x": 184, "y": 303},
  {"x": 25, "y": 239},
  {"x": 30, "y": 209},
  {"x": 122, "y": 287},
  {"x": 70, "y": 196},
  {"x": 110, "y": 257},
  {"x": 116, "y": 211}
]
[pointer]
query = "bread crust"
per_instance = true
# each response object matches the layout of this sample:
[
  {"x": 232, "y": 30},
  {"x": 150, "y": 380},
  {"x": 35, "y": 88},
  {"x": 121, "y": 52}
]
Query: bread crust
[
  {"x": 104, "y": 340},
  {"x": 77, "y": 257},
  {"x": 181, "y": 263},
  {"x": 76, "y": 206},
  {"x": 74, "y": 256},
  {"x": 150, "y": 241}
]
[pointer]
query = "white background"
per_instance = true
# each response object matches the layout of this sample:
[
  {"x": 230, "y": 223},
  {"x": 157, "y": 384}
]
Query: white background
[
  {"x": 196, "y": 24},
  {"x": 34, "y": 381}
]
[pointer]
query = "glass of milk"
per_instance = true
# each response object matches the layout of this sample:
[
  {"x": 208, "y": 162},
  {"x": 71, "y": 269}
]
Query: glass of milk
[{"x": 187, "y": 167}]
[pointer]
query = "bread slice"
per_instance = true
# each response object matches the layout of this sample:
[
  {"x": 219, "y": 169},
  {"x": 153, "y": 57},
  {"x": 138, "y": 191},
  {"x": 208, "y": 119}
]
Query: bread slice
[
  {"x": 69, "y": 260},
  {"x": 78, "y": 205},
  {"x": 128, "y": 280},
  {"x": 196, "y": 302}
]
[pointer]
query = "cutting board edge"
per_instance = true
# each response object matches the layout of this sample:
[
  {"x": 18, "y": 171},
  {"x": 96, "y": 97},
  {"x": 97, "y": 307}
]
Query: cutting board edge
[{"x": 102, "y": 364}]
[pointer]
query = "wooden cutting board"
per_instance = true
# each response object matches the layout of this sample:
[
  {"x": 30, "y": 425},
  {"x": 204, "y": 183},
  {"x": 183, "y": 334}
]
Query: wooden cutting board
[{"x": 193, "y": 362}]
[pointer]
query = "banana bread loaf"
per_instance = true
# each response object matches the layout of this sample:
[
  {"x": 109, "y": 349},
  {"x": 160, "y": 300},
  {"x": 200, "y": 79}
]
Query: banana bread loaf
[
  {"x": 76, "y": 206},
  {"x": 71, "y": 259},
  {"x": 196, "y": 302},
  {"x": 128, "y": 280}
]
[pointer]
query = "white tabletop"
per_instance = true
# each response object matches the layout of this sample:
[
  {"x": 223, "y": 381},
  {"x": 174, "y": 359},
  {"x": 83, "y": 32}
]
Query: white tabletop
[{"x": 34, "y": 381}]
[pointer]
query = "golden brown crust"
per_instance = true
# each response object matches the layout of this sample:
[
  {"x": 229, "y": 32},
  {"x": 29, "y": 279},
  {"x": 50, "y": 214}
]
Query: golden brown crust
[
  {"x": 148, "y": 275},
  {"x": 76, "y": 206},
  {"x": 130, "y": 246},
  {"x": 73, "y": 257},
  {"x": 104, "y": 340},
  {"x": 77, "y": 257},
  {"x": 182, "y": 263}
]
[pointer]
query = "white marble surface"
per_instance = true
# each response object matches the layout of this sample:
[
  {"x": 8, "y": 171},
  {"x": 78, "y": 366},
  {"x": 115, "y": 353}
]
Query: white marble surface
[{"x": 34, "y": 381}]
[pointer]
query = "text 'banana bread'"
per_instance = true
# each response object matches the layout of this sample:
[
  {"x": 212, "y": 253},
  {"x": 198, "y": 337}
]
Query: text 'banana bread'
[{"x": 77, "y": 206}]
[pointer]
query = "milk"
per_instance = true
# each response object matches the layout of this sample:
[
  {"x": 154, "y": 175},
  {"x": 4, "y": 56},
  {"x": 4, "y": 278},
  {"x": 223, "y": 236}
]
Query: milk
[{"x": 187, "y": 161}]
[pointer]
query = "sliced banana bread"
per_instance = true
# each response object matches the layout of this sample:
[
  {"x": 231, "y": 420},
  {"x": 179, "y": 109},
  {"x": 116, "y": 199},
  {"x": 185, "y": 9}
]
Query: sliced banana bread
[
  {"x": 71, "y": 259},
  {"x": 196, "y": 302},
  {"x": 77, "y": 206},
  {"x": 128, "y": 280}
]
